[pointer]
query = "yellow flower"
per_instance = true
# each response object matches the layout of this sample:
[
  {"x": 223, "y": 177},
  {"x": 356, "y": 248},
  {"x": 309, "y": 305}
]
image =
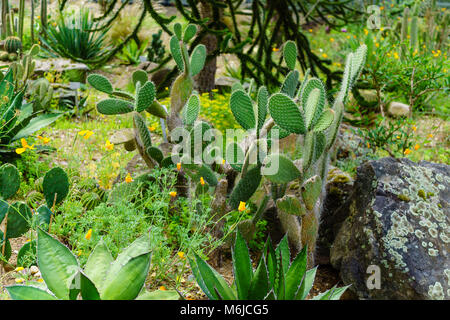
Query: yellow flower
[
  {"x": 275, "y": 49},
  {"x": 44, "y": 140},
  {"x": 19, "y": 269},
  {"x": 86, "y": 134},
  {"x": 310, "y": 30},
  {"x": 223, "y": 161},
  {"x": 416, "y": 147},
  {"x": 407, "y": 151},
  {"x": 414, "y": 128},
  {"x": 241, "y": 206},
  {"x": 377, "y": 44},
  {"x": 181, "y": 254},
  {"x": 173, "y": 194},
  {"x": 88, "y": 235},
  {"x": 19, "y": 280},
  {"x": 396, "y": 55},
  {"x": 152, "y": 128},
  {"x": 128, "y": 178},
  {"x": 25, "y": 146},
  {"x": 40, "y": 280},
  {"x": 178, "y": 166},
  {"x": 368, "y": 145},
  {"x": 324, "y": 55},
  {"x": 398, "y": 137},
  {"x": 443, "y": 9},
  {"x": 331, "y": 39},
  {"x": 430, "y": 135},
  {"x": 162, "y": 288},
  {"x": 79, "y": 252},
  {"x": 348, "y": 37},
  {"x": 202, "y": 181},
  {"x": 109, "y": 146},
  {"x": 366, "y": 32},
  {"x": 381, "y": 8}
]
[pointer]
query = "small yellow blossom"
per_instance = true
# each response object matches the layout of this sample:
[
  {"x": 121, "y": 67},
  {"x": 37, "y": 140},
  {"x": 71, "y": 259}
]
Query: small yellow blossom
[
  {"x": 430, "y": 135},
  {"x": 40, "y": 280},
  {"x": 19, "y": 280},
  {"x": 202, "y": 181},
  {"x": 223, "y": 161},
  {"x": 25, "y": 146},
  {"x": 414, "y": 128},
  {"x": 162, "y": 288},
  {"x": 86, "y": 134},
  {"x": 368, "y": 145},
  {"x": 44, "y": 140},
  {"x": 416, "y": 147},
  {"x": 173, "y": 194},
  {"x": 310, "y": 30},
  {"x": 324, "y": 55},
  {"x": 115, "y": 165},
  {"x": 88, "y": 234},
  {"x": 152, "y": 128},
  {"x": 377, "y": 44},
  {"x": 178, "y": 166},
  {"x": 275, "y": 49},
  {"x": 366, "y": 32},
  {"x": 241, "y": 206},
  {"x": 181, "y": 254},
  {"x": 128, "y": 178},
  {"x": 396, "y": 56},
  {"x": 18, "y": 269},
  {"x": 109, "y": 146},
  {"x": 381, "y": 8},
  {"x": 331, "y": 39},
  {"x": 407, "y": 151}
]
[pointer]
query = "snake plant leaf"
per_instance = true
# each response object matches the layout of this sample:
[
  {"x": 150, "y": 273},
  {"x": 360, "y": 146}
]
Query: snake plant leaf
[
  {"x": 286, "y": 113},
  {"x": 114, "y": 106},
  {"x": 259, "y": 287},
  {"x": 290, "y": 54},
  {"x": 100, "y": 83},
  {"x": 242, "y": 107},
  {"x": 295, "y": 274},
  {"x": 307, "y": 283},
  {"x": 145, "y": 96},
  {"x": 159, "y": 295},
  {"x": 57, "y": 264},
  {"x": 198, "y": 58}
]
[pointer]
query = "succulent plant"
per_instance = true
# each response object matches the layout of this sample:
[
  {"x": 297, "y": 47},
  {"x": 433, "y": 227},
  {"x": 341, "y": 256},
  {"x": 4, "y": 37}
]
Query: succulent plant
[
  {"x": 13, "y": 44},
  {"x": 102, "y": 278}
]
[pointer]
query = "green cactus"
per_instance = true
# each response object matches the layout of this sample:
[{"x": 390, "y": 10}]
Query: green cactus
[
  {"x": 286, "y": 172},
  {"x": 290, "y": 54},
  {"x": 286, "y": 113},
  {"x": 246, "y": 187},
  {"x": 242, "y": 107},
  {"x": 33, "y": 198},
  {"x": 90, "y": 200},
  {"x": 55, "y": 186},
  {"x": 18, "y": 222},
  {"x": 9, "y": 181},
  {"x": 100, "y": 83},
  {"x": 5, "y": 253},
  {"x": 191, "y": 110},
  {"x": 13, "y": 44}
]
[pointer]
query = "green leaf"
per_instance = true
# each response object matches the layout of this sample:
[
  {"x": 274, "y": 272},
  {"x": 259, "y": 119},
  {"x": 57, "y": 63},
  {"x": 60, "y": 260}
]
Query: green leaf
[
  {"x": 145, "y": 96},
  {"x": 260, "y": 285},
  {"x": 307, "y": 283},
  {"x": 286, "y": 113},
  {"x": 88, "y": 289},
  {"x": 242, "y": 107},
  {"x": 290, "y": 54},
  {"x": 129, "y": 279},
  {"x": 57, "y": 264},
  {"x": 178, "y": 30},
  {"x": 159, "y": 295},
  {"x": 19, "y": 219},
  {"x": 295, "y": 274},
  {"x": 18, "y": 292},
  {"x": 242, "y": 267},
  {"x": 36, "y": 124},
  {"x": 283, "y": 251},
  {"x": 98, "y": 263}
]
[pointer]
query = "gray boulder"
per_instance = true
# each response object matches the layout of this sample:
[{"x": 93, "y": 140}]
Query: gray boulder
[{"x": 398, "y": 223}]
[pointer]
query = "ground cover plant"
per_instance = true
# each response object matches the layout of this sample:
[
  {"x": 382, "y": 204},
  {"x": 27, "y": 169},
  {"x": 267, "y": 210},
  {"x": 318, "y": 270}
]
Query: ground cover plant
[{"x": 204, "y": 150}]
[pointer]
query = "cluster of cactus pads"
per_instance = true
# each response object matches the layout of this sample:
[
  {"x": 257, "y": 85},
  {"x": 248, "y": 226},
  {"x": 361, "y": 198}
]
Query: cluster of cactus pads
[
  {"x": 18, "y": 216},
  {"x": 300, "y": 108}
]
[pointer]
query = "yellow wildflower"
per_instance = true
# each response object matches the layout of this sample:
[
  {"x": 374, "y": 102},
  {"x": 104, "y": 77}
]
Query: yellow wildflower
[
  {"x": 430, "y": 135},
  {"x": 162, "y": 288},
  {"x": 181, "y": 254},
  {"x": 275, "y": 49},
  {"x": 324, "y": 55},
  {"x": 18, "y": 269},
  {"x": 173, "y": 194},
  {"x": 416, "y": 147},
  {"x": 40, "y": 280},
  {"x": 406, "y": 152},
  {"x": 368, "y": 145},
  {"x": 44, "y": 140},
  {"x": 86, "y": 133},
  {"x": 88, "y": 234},
  {"x": 331, "y": 39},
  {"x": 19, "y": 280},
  {"x": 25, "y": 146},
  {"x": 414, "y": 128},
  {"x": 109, "y": 146},
  {"x": 128, "y": 178},
  {"x": 366, "y": 32},
  {"x": 178, "y": 166},
  {"x": 241, "y": 206},
  {"x": 202, "y": 181}
]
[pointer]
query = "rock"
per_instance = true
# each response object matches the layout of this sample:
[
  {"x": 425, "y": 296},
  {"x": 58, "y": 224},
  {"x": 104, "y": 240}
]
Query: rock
[
  {"x": 398, "y": 109},
  {"x": 369, "y": 95},
  {"x": 34, "y": 270},
  {"x": 339, "y": 187},
  {"x": 398, "y": 222},
  {"x": 77, "y": 71}
]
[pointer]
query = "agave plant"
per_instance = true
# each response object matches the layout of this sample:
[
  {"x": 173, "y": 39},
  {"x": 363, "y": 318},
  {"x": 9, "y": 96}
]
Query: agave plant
[
  {"x": 71, "y": 37},
  {"x": 275, "y": 278},
  {"x": 102, "y": 278}
]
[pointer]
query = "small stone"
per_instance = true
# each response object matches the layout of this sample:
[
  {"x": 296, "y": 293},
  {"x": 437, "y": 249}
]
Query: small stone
[
  {"x": 37, "y": 274},
  {"x": 34, "y": 270},
  {"x": 398, "y": 109}
]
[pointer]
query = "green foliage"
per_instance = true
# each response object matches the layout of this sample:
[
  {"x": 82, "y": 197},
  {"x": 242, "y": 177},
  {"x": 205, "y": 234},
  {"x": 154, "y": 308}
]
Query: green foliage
[
  {"x": 156, "y": 50},
  {"x": 72, "y": 37},
  {"x": 132, "y": 52},
  {"x": 275, "y": 278},
  {"x": 103, "y": 278},
  {"x": 55, "y": 186}
]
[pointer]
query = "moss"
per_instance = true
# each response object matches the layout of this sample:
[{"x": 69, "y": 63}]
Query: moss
[
  {"x": 421, "y": 193},
  {"x": 404, "y": 197}
]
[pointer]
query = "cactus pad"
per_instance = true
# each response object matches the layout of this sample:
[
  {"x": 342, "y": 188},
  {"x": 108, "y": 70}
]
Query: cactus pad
[
  {"x": 100, "y": 83},
  {"x": 90, "y": 200},
  {"x": 197, "y": 60},
  {"x": 7, "y": 247},
  {"x": 56, "y": 182},
  {"x": 142, "y": 133},
  {"x": 242, "y": 108},
  {"x": 191, "y": 110},
  {"x": 311, "y": 190},
  {"x": 9, "y": 181},
  {"x": 313, "y": 101},
  {"x": 175, "y": 50},
  {"x": 246, "y": 187},
  {"x": 263, "y": 101},
  {"x": 292, "y": 205},
  {"x": 286, "y": 113},
  {"x": 19, "y": 219},
  {"x": 44, "y": 217},
  {"x": 140, "y": 76},
  {"x": 290, "y": 54},
  {"x": 114, "y": 106},
  {"x": 145, "y": 96},
  {"x": 289, "y": 86},
  {"x": 324, "y": 121},
  {"x": 155, "y": 153},
  {"x": 189, "y": 32},
  {"x": 177, "y": 30},
  {"x": 280, "y": 169}
]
